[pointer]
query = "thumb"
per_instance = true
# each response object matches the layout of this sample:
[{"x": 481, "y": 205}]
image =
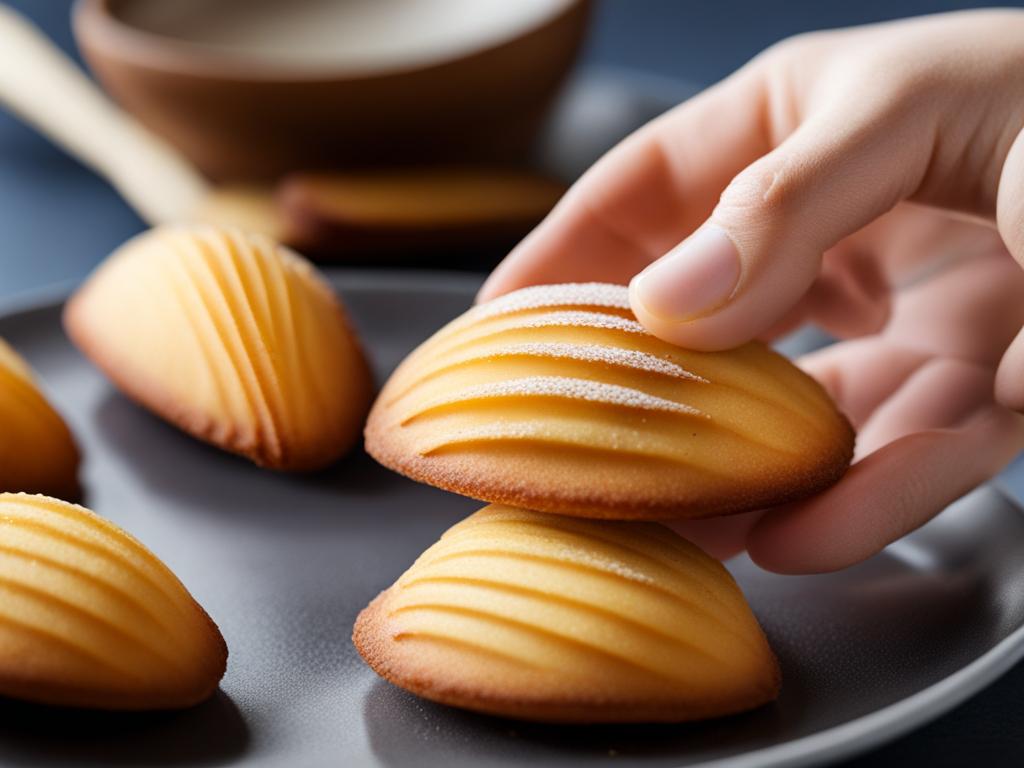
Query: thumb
[{"x": 761, "y": 249}]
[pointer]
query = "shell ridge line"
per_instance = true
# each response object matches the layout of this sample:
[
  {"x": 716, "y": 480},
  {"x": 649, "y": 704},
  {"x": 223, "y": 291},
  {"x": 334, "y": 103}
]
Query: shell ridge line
[
  {"x": 297, "y": 270},
  {"x": 95, "y": 581},
  {"x": 84, "y": 616},
  {"x": 635, "y": 360},
  {"x": 234, "y": 290},
  {"x": 203, "y": 279},
  {"x": 227, "y": 327},
  {"x": 544, "y": 296},
  {"x": 572, "y": 388},
  {"x": 583, "y": 531},
  {"x": 538, "y": 632},
  {"x": 452, "y": 399},
  {"x": 714, "y": 571},
  {"x": 67, "y": 644},
  {"x": 598, "y": 353},
  {"x": 575, "y": 318},
  {"x": 604, "y": 321},
  {"x": 582, "y": 605},
  {"x": 179, "y": 284},
  {"x": 437, "y": 637},
  {"x": 248, "y": 262},
  {"x": 99, "y": 551},
  {"x": 282, "y": 375},
  {"x": 573, "y": 529},
  {"x": 730, "y": 610},
  {"x": 666, "y": 554},
  {"x": 765, "y": 399},
  {"x": 493, "y": 431},
  {"x": 456, "y": 340},
  {"x": 253, "y": 260},
  {"x": 285, "y": 326},
  {"x": 591, "y": 568},
  {"x": 529, "y": 432},
  {"x": 254, "y": 296},
  {"x": 104, "y": 552}
]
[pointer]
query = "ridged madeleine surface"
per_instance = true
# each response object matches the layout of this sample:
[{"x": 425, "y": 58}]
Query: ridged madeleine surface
[
  {"x": 232, "y": 337},
  {"x": 37, "y": 451},
  {"x": 90, "y": 618},
  {"x": 543, "y": 617},
  {"x": 555, "y": 398}
]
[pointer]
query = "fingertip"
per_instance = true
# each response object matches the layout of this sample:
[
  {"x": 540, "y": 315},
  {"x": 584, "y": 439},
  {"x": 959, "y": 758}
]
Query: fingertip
[
  {"x": 708, "y": 334},
  {"x": 493, "y": 286},
  {"x": 785, "y": 541},
  {"x": 720, "y": 537}
]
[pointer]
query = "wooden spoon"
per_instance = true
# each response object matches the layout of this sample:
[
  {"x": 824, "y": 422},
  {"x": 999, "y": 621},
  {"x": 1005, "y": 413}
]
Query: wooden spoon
[
  {"x": 330, "y": 215},
  {"x": 41, "y": 84}
]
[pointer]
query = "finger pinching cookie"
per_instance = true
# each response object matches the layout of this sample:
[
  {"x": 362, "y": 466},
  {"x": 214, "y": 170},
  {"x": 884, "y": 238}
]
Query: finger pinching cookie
[
  {"x": 541, "y": 617},
  {"x": 235, "y": 339},
  {"x": 555, "y": 398}
]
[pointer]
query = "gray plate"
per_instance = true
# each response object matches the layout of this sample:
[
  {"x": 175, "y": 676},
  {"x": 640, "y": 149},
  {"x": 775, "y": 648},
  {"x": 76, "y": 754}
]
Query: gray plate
[{"x": 284, "y": 563}]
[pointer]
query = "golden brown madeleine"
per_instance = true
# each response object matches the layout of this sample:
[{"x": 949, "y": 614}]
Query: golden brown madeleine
[
  {"x": 420, "y": 210},
  {"x": 37, "y": 451},
  {"x": 555, "y": 398},
  {"x": 544, "y": 617},
  {"x": 230, "y": 336},
  {"x": 90, "y": 618}
]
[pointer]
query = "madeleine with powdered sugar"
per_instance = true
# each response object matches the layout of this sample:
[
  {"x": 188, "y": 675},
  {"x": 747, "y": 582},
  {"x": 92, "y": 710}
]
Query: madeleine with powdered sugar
[
  {"x": 555, "y": 398},
  {"x": 542, "y": 617}
]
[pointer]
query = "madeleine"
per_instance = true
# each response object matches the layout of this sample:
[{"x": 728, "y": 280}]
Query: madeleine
[
  {"x": 37, "y": 452},
  {"x": 90, "y": 618},
  {"x": 235, "y": 339},
  {"x": 556, "y": 399},
  {"x": 542, "y": 617}
]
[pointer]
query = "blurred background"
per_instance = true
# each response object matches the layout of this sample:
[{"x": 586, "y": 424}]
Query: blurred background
[{"x": 638, "y": 57}]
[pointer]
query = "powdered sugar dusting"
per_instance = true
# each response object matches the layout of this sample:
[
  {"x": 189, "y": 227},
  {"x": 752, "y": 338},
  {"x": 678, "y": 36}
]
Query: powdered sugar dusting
[
  {"x": 563, "y": 295},
  {"x": 569, "y": 388},
  {"x": 579, "y": 556},
  {"x": 595, "y": 353},
  {"x": 579, "y": 319},
  {"x": 493, "y": 431}
]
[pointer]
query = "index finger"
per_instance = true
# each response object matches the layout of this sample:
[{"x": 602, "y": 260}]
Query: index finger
[{"x": 647, "y": 193}]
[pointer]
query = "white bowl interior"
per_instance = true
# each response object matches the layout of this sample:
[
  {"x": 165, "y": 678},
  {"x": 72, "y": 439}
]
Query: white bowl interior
[{"x": 357, "y": 35}]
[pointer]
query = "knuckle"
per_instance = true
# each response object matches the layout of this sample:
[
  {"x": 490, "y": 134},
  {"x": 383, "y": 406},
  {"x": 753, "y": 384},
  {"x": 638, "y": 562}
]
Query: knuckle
[{"x": 764, "y": 191}]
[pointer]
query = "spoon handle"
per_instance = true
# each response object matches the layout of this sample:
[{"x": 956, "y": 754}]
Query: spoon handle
[{"x": 42, "y": 85}]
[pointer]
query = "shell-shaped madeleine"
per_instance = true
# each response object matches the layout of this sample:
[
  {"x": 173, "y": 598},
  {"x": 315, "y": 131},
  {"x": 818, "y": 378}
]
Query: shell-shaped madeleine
[
  {"x": 555, "y": 398},
  {"x": 544, "y": 617},
  {"x": 37, "y": 451},
  {"x": 232, "y": 337},
  {"x": 90, "y": 618}
]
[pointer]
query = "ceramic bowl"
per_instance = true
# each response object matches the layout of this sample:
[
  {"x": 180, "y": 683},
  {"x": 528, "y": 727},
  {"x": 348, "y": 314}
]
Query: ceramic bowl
[{"x": 253, "y": 89}]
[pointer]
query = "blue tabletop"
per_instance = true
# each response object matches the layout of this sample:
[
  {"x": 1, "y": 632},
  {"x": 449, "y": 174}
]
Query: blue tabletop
[{"x": 57, "y": 220}]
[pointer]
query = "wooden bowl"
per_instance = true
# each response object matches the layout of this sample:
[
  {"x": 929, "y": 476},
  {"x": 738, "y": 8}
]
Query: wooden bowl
[{"x": 253, "y": 89}]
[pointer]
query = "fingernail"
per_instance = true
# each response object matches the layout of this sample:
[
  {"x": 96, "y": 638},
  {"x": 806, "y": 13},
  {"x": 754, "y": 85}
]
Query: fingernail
[{"x": 692, "y": 279}]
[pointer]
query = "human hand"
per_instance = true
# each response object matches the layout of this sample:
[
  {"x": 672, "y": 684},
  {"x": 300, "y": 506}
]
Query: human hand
[{"x": 804, "y": 177}]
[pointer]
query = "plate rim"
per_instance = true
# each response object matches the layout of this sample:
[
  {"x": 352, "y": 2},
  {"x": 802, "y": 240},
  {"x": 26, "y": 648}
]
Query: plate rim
[
  {"x": 901, "y": 717},
  {"x": 827, "y": 746}
]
